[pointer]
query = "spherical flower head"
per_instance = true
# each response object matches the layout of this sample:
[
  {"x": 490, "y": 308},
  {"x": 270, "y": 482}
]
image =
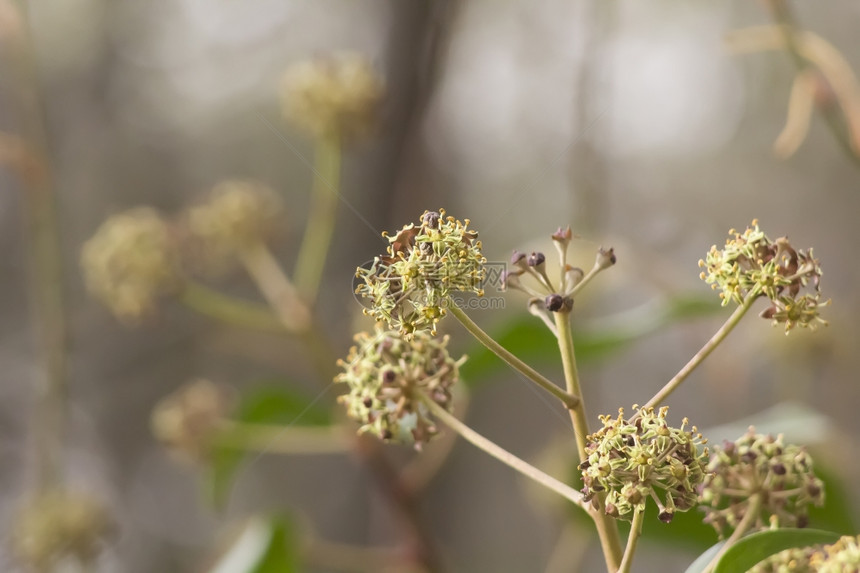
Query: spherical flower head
[
  {"x": 840, "y": 557},
  {"x": 794, "y": 560},
  {"x": 130, "y": 262},
  {"x": 332, "y": 97},
  {"x": 780, "y": 475},
  {"x": 751, "y": 264},
  {"x": 59, "y": 524},
  {"x": 188, "y": 420},
  {"x": 238, "y": 214},
  {"x": 387, "y": 375},
  {"x": 410, "y": 286},
  {"x": 633, "y": 459}
]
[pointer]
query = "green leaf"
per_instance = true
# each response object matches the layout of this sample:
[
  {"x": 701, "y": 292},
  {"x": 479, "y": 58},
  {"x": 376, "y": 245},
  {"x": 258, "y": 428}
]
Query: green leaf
[
  {"x": 267, "y": 545},
  {"x": 270, "y": 404},
  {"x": 752, "y": 549},
  {"x": 705, "y": 558}
]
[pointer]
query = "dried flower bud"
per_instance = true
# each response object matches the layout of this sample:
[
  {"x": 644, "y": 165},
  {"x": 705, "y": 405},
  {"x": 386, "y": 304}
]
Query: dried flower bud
[
  {"x": 188, "y": 420},
  {"x": 536, "y": 260},
  {"x": 605, "y": 258},
  {"x": 644, "y": 458},
  {"x": 781, "y": 475},
  {"x": 385, "y": 372},
  {"x": 554, "y": 302},
  {"x": 237, "y": 214},
  {"x": 130, "y": 262},
  {"x": 333, "y": 97},
  {"x": 59, "y": 524},
  {"x": 409, "y": 288}
]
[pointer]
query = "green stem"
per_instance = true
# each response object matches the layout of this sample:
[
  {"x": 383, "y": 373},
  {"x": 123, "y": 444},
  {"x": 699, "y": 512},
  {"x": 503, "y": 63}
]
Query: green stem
[
  {"x": 585, "y": 280},
  {"x": 568, "y": 399},
  {"x": 751, "y": 515},
  {"x": 228, "y": 309},
  {"x": 282, "y": 440},
  {"x": 502, "y": 454},
  {"x": 607, "y": 530},
  {"x": 277, "y": 289},
  {"x": 321, "y": 218},
  {"x": 703, "y": 353},
  {"x": 632, "y": 540}
]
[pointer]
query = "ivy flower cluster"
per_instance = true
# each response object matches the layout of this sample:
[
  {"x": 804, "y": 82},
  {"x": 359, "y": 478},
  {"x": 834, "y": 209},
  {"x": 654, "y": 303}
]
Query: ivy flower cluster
[
  {"x": 237, "y": 214},
  {"x": 633, "y": 459},
  {"x": 334, "y": 96},
  {"x": 409, "y": 288},
  {"x": 388, "y": 377},
  {"x": 764, "y": 468},
  {"x": 131, "y": 262},
  {"x": 840, "y": 557},
  {"x": 752, "y": 265},
  {"x": 547, "y": 296}
]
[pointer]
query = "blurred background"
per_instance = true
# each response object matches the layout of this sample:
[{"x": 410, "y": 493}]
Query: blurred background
[{"x": 630, "y": 121}]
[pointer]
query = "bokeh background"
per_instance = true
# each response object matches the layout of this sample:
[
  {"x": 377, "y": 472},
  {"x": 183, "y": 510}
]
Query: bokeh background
[{"x": 628, "y": 120}]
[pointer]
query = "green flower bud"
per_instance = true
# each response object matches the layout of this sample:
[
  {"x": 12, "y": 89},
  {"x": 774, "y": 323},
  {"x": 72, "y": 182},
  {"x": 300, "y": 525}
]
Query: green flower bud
[
  {"x": 781, "y": 475},
  {"x": 386, "y": 371},
  {"x": 130, "y": 262},
  {"x": 643, "y": 457},
  {"x": 409, "y": 288}
]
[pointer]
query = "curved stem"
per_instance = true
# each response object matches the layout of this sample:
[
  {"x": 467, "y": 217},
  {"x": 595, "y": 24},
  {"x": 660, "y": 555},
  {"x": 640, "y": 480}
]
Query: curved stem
[
  {"x": 607, "y": 530},
  {"x": 321, "y": 219},
  {"x": 704, "y": 352},
  {"x": 281, "y": 439},
  {"x": 568, "y": 399},
  {"x": 502, "y": 454},
  {"x": 632, "y": 540},
  {"x": 753, "y": 508},
  {"x": 229, "y": 310},
  {"x": 585, "y": 280}
]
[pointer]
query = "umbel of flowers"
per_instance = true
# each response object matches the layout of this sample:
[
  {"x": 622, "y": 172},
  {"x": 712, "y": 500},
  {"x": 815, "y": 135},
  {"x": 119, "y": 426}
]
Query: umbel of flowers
[
  {"x": 633, "y": 459},
  {"x": 409, "y": 288},
  {"x": 752, "y": 265},
  {"x": 763, "y": 468},
  {"x": 388, "y": 377}
]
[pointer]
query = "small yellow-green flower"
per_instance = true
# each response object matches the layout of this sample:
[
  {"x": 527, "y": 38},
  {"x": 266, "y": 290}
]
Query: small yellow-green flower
[
  {"x": 781, "y": 476},
  {"x": 752, "y": 265},
  {"x": 410, "y": 286},
  {"x": 386, "y": 372},
  {"x": 130, "y": 262},
  {"x": 632, "y": 460}
]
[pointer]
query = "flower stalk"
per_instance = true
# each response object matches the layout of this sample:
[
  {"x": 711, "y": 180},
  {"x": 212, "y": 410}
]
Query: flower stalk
[
  {"x": 570, "y": 400},
  {"x": 632, "y": 540}
]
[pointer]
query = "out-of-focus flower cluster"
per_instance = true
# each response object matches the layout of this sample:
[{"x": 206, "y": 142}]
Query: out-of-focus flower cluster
[
  {"x": 840, "y": 557},
  {"x": 410, "y": 286},
  {"x": 632, "y": 460},
  {"x": 386, "y": 372},
  {"x": 238, "y": 214},
  {"x": 188, "y": 420},
  {"x": 335, "y": 96},
  {"x": 780, "y": 476},
  {"x": 750, "y": 264},
  {"x": 130, "y": 262},
  {"x": 60, "y": 524}
]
